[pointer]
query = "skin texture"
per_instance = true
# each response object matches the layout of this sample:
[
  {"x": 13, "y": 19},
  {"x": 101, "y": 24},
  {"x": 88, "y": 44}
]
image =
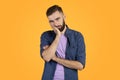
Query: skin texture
[{"x": 57, "y": 22}]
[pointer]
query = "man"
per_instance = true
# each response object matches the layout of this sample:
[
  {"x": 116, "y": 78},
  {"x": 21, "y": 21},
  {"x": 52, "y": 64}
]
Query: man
[{"x": 62, "y": 49}]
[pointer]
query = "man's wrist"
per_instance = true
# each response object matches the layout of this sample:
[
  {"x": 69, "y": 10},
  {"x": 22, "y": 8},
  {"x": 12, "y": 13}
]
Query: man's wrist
[
  {"x": 54, "y": 58},
  {"x": 58, "y": 35}
]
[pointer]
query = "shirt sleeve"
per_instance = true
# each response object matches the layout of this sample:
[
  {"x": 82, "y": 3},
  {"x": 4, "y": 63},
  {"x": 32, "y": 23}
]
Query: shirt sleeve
[
  {"x": 43, "y": 42},
  {"x": 81, "y": 54}
]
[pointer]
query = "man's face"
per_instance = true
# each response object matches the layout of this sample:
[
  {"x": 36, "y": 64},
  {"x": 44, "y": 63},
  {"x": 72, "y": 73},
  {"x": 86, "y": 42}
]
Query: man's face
[{"x": 57, "y": 20}]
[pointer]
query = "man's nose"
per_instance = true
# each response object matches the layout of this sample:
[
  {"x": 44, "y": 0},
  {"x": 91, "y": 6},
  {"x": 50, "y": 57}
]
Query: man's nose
[{"x": 56, "y": 23}]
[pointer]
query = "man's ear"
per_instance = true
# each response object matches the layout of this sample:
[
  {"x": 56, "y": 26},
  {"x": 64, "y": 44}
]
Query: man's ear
[{"x": 64, "y": 16}]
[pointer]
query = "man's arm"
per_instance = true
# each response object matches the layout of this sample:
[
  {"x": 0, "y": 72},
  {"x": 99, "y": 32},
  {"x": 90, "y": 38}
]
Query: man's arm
[
  {"x": 68, "y": 63},
  {"x": 79, "y": 63},
  {"x": 49, "y": 51}
]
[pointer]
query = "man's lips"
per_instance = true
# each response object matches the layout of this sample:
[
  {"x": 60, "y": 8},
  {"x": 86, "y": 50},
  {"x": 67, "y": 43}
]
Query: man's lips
[{"x": 58, "y": 26}]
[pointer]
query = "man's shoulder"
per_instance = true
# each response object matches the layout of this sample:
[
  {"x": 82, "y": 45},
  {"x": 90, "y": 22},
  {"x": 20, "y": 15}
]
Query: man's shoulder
[
  {"x": 49, "y": 32},
  {"x": 75, "y": 32}
]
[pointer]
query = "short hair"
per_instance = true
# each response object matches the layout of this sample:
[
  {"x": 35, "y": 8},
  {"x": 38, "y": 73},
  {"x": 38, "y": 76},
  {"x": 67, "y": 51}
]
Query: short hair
[{"x": 52, "y": 9}]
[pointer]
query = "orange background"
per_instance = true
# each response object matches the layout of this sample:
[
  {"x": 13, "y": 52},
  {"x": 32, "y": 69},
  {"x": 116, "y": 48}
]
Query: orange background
[{"x": 23, "y": 21}]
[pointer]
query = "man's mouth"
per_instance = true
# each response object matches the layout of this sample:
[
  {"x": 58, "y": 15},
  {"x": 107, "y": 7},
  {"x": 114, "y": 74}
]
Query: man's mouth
[{"x": 59, "y": 26}]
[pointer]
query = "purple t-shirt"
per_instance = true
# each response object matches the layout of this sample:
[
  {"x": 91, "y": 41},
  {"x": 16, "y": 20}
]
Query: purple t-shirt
[{"x": 59, "y": 72}]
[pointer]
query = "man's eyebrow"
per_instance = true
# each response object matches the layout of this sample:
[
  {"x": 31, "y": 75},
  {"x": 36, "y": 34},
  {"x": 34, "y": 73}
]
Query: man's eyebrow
[
  {"x": 50, "y": 20},
  {"x": 57, "y": 18}
]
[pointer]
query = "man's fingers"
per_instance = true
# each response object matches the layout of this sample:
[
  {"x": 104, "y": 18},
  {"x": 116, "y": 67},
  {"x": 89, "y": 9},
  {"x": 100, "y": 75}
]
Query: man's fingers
[
  {"x": 45, "y": 47},
  {"x": 56, "y": 29}
]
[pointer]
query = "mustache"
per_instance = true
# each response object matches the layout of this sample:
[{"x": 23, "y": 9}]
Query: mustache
[{"x": 59, "y": 26}]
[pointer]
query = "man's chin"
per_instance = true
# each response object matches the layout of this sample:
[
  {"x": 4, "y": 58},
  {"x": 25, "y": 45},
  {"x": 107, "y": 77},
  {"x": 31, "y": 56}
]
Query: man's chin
[{"x": 61, "y": 29}]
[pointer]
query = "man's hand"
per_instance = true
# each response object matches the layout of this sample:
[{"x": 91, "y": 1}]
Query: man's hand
[
  {"x": 45, "y": 47},
  {"x": 54, "y": 57},
  {"x": 56, "y": 30}
]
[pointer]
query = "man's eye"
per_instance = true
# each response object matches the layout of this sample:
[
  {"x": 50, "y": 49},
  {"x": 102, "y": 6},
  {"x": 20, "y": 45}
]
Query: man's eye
[
  {"x": 50, "y": 21},
  {"x": 57, "y": 19}
]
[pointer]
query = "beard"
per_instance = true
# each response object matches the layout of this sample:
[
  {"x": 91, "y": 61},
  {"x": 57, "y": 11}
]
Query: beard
[{"x": 62, "y": 26}]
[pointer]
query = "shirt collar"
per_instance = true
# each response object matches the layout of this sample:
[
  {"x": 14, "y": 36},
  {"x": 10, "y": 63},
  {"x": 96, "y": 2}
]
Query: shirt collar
[{"x": 67, "y": 32}]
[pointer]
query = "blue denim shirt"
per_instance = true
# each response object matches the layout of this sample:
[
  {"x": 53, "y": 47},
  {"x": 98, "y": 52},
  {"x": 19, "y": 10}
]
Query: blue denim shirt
[{"x": 75, "y": 50}]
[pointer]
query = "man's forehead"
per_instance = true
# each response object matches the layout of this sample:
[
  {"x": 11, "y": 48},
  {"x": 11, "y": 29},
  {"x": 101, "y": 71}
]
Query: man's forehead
[{"x": 55, "y": 15}]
